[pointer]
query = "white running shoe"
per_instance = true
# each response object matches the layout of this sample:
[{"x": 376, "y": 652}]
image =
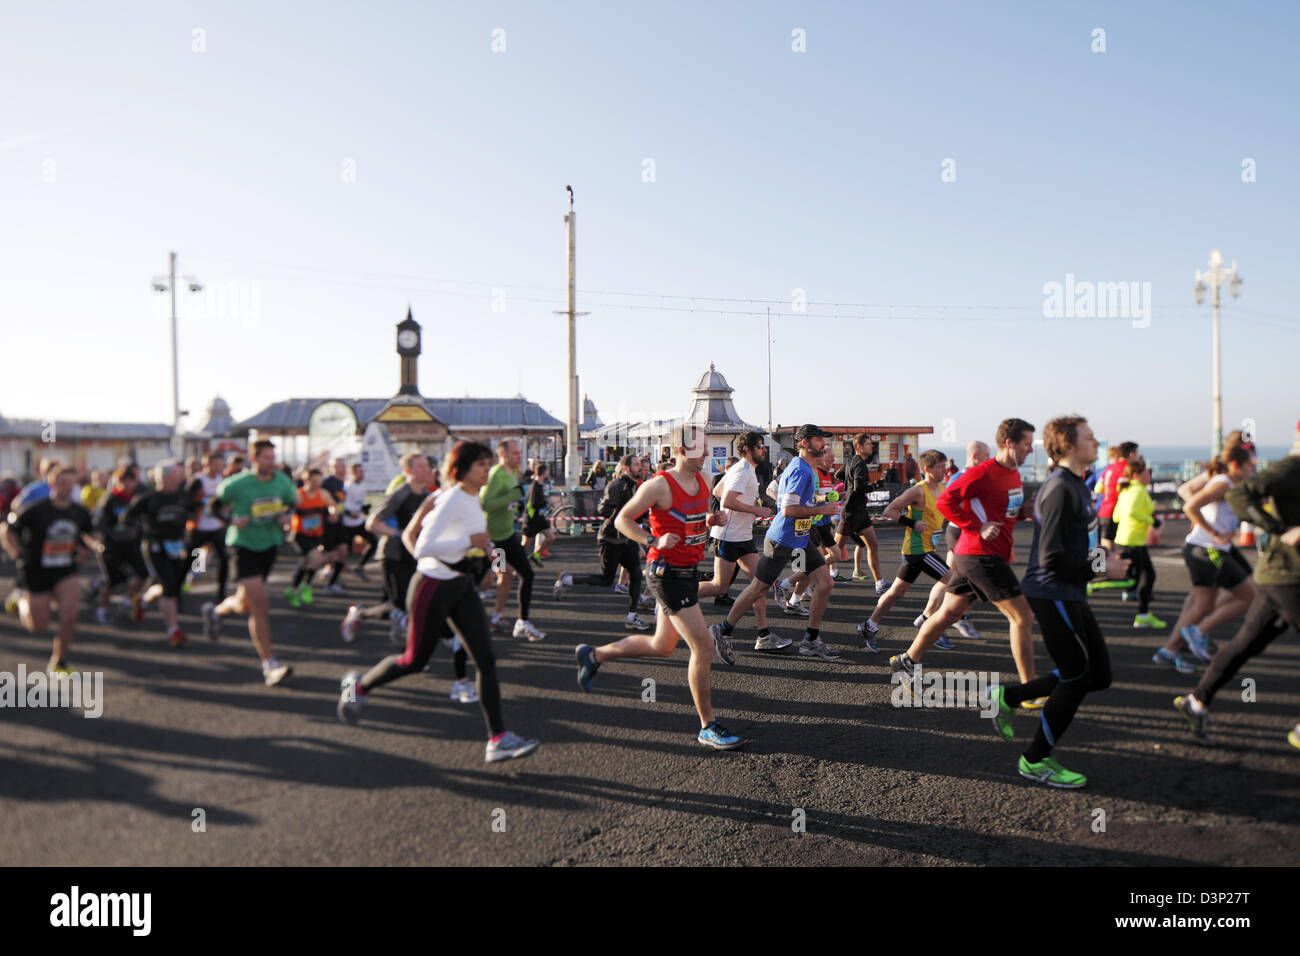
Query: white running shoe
[
  {"x": 635, "y": 622},
  {"x": 881, "y": 587},
  {"x": 525, "y": 629},
  {"x": 273, "y": 672},
  {"x": 772, "y": 642},
  {"x": 966, "y": 629},
  {"x": 464, "y": 692},
  {"x": 620, "y": 588},
  {"x": 561, "y": 585},
  {"x": 510, "y": 745},
  {"x": 350, "y": 701},
  {"x": 348, "y": 629},
  {"x": 645, "y": 602},
  {"x": 794, "y": 609}
]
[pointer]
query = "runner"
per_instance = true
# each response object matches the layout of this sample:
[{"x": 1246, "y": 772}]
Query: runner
[
  {"x": 976, "y": 452},
  {"x": 42, "y": 538},
  {"x": 854, "y": 521},
  {"x": 120, "y": 560},
  {"x": 257, "y": 500},
  {"x": 1134, "y": 517},
  {"x": 1277, "y": 580},
  {"x": 678, "y": 500},
  {"x": 451, "y": 551},
  {"x": 352, "y": 525},
  {"x": 1214, "y": 564},
  {"x": 790, "y": 537},
  {"x": 823, "y": 529},
  {"x": 616, "y": 550},
  {"x": 313, "y": 510},
  {"x": 985, "y": 503},
  {"x": 94, "y": 490},
  {"x": 537, "y": 522},
  {"x": 209, "y": 532},
  {"x": 1108, "y": 487},
  {"x": 1066, "y": 530},
  {"x": 162, "y": 512},
  {"x": 501, "y": 497},
  {"x": 922, "y": 522},
  {"x": 737, "y": 492}
]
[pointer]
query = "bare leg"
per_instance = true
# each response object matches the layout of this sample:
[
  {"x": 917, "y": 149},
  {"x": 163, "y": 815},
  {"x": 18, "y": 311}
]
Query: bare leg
[
  {"x": 950, "y": 612},
  {"x": 889, "y": 599},
  {"x": 1021, "y": 618}
]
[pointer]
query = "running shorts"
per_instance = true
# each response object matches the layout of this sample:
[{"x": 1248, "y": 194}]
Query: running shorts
[
  {"x": 397, "y": 578},
  {"x": 823, "y": 535},
  {"x": 734, "y": 550},
  {"x": 253, "y": 564},
  {"x": 1214, "y": 567},
  {"x": 776, "y": 556},
  {"x": 120, "y": 562},
  {"x": 165, "y": 566},
  {"x": 986, "y": 576},
  {"x": 914, "y": 564},
  {"x": 40, "y": 580},
  {"x": 851, "y": 523},
  {"x": 308, "y": 543},
  {"x": 1111, "y": 529},
  {"x": 674, "y": 587}
]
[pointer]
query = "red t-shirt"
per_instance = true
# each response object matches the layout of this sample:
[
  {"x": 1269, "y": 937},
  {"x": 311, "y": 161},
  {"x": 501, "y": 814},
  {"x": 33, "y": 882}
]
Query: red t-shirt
[
  {"x": 982, "y": 493},
  {"x": 686, "y": 519},
  {"x": 1110, "y": 488}
]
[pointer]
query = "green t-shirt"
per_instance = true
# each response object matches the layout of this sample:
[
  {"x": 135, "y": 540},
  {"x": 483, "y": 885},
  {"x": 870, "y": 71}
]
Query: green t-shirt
[
  {"x": 264, "y": 502},
  {"x": 500, "y": 498}
]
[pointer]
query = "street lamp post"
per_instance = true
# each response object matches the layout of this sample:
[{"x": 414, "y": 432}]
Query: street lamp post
[
  {"x": 1213, "y": 278},
  {"x": 167, "y": 285}
]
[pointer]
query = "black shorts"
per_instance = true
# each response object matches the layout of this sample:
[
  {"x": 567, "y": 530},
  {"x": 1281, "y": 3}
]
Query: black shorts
[
  {"x": 309, "y": 544},
  {"x": 397, "y": 581},
  {"x": 536, "y": 525},
  {"x": 852, "y": 523},
  {"x": 120, "y": 562},
  {"x": 733, "y": 551},
  {"x": 338, "y": 533},
  {"x": 914, "y": 564},
  {"x": 823, "y": 535},
  {"x": 253, "y": 564},
  {"x": 672, "y": 586},
  {"x": 986, "y": 576},
  {"x": 39, "y": 580},
  {"x": 167, "y": 570},
  {"x": 1215, "y": 567},
  {"x": 215, "y": 537},
  {"x": 776, "y": 556},
  {"x": 1110, "y": 529}
]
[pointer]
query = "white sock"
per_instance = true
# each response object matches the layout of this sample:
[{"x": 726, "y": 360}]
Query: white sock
[{"x": 1196, "y": 705}]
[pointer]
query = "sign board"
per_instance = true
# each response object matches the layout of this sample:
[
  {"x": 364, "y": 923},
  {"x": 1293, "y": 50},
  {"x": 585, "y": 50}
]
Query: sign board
[
  {"x": 379, "y": 459},
  {"x": 332, "y": 433}
]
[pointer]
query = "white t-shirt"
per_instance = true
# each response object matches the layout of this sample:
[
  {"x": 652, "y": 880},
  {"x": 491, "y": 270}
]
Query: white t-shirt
[
  {"x": 1217, "y": 514},
  {"x": 354, "y": 496},
  {"x": 741, "y": 478},
  {"x": 445, "y": 532},
  {"x": 209, "y": 522}
]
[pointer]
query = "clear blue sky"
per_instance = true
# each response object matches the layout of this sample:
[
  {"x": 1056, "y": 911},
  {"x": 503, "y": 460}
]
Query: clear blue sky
[{"x": 774, "y": 171}]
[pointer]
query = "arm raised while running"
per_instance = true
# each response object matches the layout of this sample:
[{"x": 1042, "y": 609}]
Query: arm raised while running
[
  {"x": 412, "y": 530},
  {"x": 655, "y": 493},
  {"x": 1210, "y": 493},
  {"x": 912, "y": 496}
]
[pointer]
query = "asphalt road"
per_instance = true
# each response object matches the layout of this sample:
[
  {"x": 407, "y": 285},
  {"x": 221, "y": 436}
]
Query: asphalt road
[{"x": 620, "y": 780}]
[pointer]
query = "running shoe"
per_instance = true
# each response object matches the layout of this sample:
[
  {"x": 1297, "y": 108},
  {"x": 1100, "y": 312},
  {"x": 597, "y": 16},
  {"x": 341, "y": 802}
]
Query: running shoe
[
  {"x": 1050, "y": 772},
  {"x": 561, "y": 585},
  {"x": 537, "y": 560},
  {"x": 1176, "y": 661},
  {"x": 944, "y": 644},
  {"x": 306, "y": 594},
  {"x": 525, "y": 629},
  {"x": 11, "y": 603},
  {"x": 867, "y": 630},
  {"x": 509, "y": 746},
  {"x": 967, "y": 630},
  {"x": 464, "y": 691},
  {"x": 1034, "y": 703},
  {"x": 620, "y": 588},
  {"x": 918, "y": 620},
  {"x": 817, "y": 648},
  {"x": 273, "y": 672},
  {"x": 1149, "y": 620},
  {"x": 1002, "y": 718},
  {"x": 295, "y": 598},
  {"x": 794, "y": 609},
  {"x": 1198, "y": 722},
  {"x": 397, "y": 628},
  {"x": 902, "y": 666},
  {"x": 137, "y": 608},
  {"x": 1293, "y": 738},
  {"x": 350, "y": 697},
  {"x": 102, "y": 616},
  {"x": 645, "y": 602},
  {"x": 335, "y": 588},
  {"x": 587, "y": 665},
  {"x": 186, "y": 588},
  {"x": 500, "y": 624},
  {"x": 724, "y": 600},
  {"x": 881, "y": 587},
  {"x": 782, "y": 591},
  {"x": 634, "y": 622},
  {"x": 348, "y": 629},
  {"x": 718, "y": 737},
  {"x": 487, "y": 595},
  {"x": 211, "y": 622},
  {"x": 772, "y": 642},
  {"x": 721, "y": 645},
  {"x": 1197, "y": 643},
  {"x": 859, "y": 576},
  {"x": 835, "y": 574},
  {"x": 61, "y": 669},
  {"x": 1128, "y": 596},
  {"x": 175, "y": 637}
]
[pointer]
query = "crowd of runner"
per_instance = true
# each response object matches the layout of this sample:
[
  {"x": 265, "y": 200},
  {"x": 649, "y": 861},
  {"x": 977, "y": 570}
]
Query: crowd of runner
[{"x": 453, "y": 546}]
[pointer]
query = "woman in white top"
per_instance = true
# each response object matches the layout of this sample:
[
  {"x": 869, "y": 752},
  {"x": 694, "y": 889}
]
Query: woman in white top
[
  {"x": 1213, "y": 561},
  {"x": 450, "y": 545}
]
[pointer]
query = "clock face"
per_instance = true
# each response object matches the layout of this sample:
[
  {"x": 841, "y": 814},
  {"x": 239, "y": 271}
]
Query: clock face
[{"x": 407, "y": 339}]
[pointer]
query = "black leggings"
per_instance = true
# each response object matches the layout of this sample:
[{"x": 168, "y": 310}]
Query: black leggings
[
  {"x": 1082, "y": 664},
  {"x": 517, "y": 558},
  {"x": 436, "y": 607},
  {"x": 216, "y": 542},
  {"x": 1275, "y": 606},
  {"x": 614, "y": 554},
  {"x": 1143, "y": 572}
]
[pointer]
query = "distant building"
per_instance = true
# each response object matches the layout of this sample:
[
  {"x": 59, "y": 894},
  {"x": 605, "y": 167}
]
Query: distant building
[
  {"x": 893, "y": 443},
  {"x": 83, "y": 445}
]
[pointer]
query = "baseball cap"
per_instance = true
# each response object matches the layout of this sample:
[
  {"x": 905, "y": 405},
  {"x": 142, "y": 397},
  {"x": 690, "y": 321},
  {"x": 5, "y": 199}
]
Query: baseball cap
[{"x": 810, "y": 431}]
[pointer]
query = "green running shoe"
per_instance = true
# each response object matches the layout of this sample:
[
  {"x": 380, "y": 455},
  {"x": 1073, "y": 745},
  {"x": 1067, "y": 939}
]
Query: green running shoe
[
  {"x": 1293, "y": 738},
  {"x": 294, "y": 599},
  {"x": 1198, "y": 721},
  {"x": 1149, "y": 620},
  {"x": 1050, "y": 772},
  {"x": 305, "y": 594},
  {"x": 1001, "y": 719}
]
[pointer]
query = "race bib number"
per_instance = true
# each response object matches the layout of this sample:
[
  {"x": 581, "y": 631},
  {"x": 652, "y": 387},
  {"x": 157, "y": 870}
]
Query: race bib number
[
  {"x": 174, "y": 549},
  {"x": 265, "y": 509},
  {"x": 311, "y": 524},
  {"x": 57, "y": 554},
  {"x": 1015, "y": 498},
  {"x": 696, "y": 532},
  {"x": 802, "y": 526}
]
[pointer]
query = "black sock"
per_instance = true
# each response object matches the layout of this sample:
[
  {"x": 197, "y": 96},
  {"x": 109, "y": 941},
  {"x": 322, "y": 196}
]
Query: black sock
[
  {"x": 300, "y": 575},
  {"x": 763, "y": 632},
  {"x": 812, "y": 632},
  {"x": 727, "y": 628},
  {"x": 334, "y": 576}
]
